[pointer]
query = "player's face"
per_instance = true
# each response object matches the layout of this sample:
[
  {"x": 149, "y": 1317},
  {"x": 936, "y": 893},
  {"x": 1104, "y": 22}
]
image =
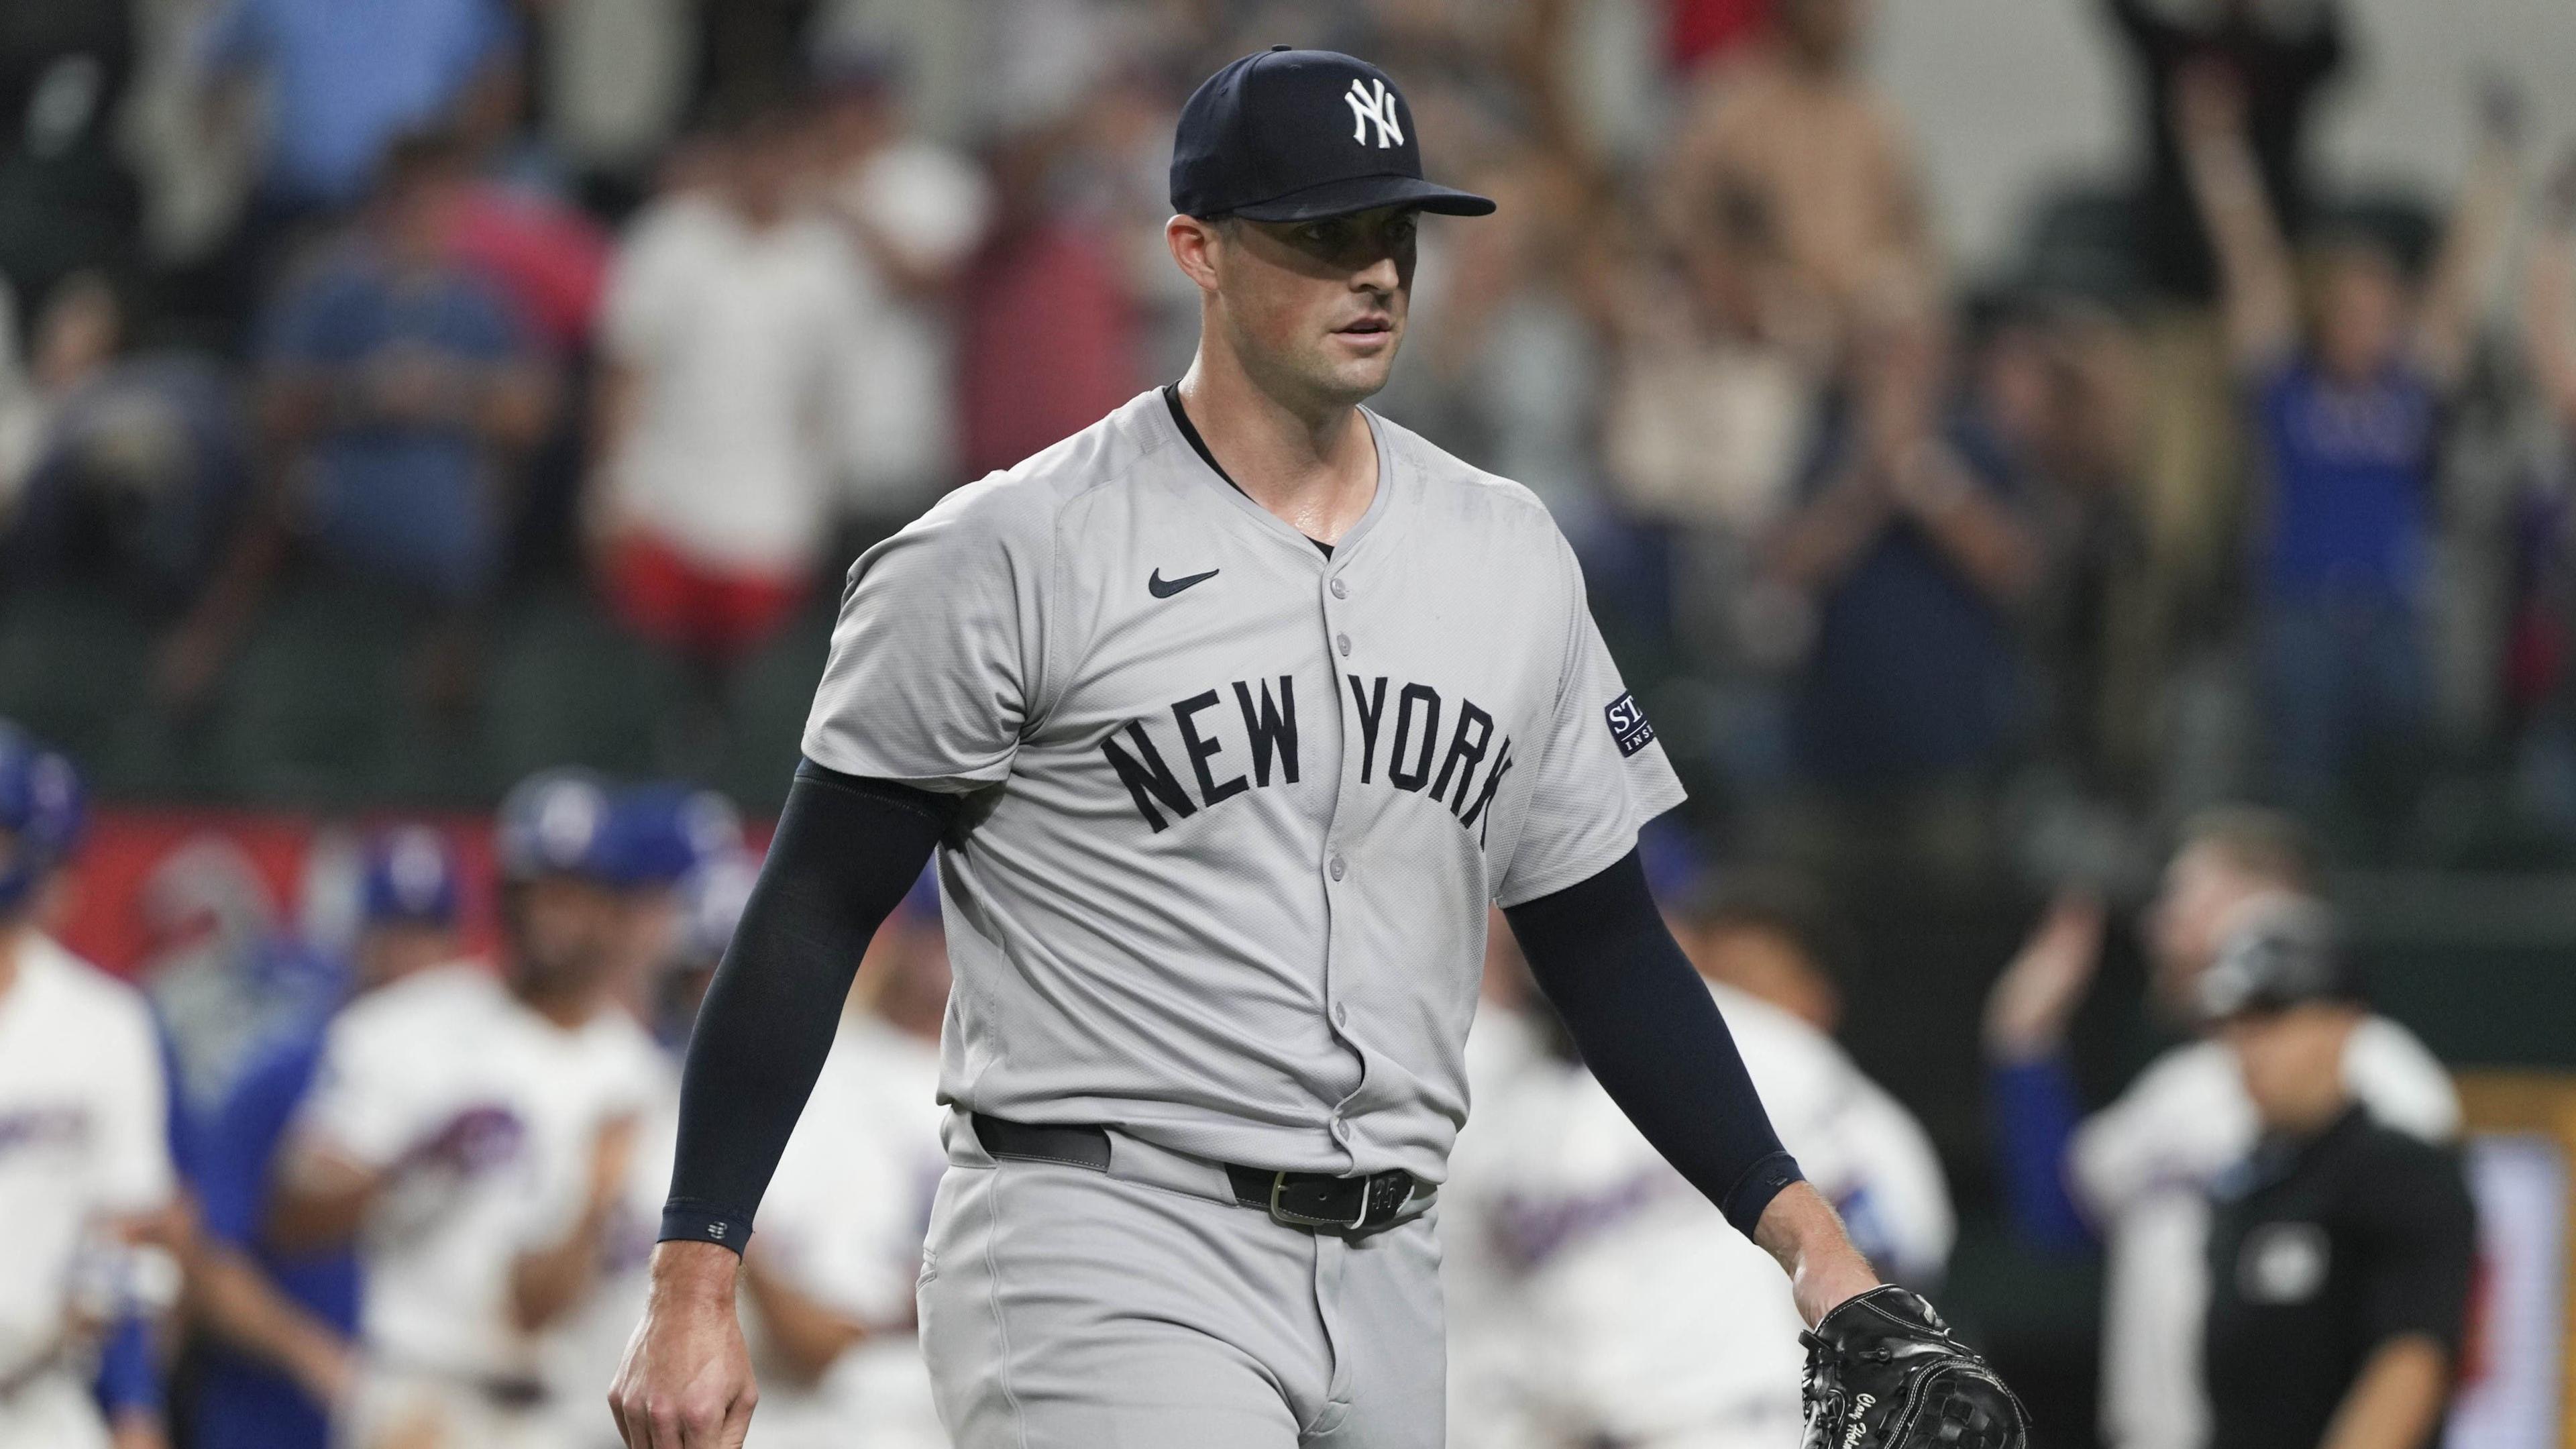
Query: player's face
[
  {"x": 2202, "y": 888},
  {"x": 1317, "y": 308},
  {"x": 2292, "y": 1061},
  {"x": 569, "y": 932},
  {"x": 388, "y": 953}
]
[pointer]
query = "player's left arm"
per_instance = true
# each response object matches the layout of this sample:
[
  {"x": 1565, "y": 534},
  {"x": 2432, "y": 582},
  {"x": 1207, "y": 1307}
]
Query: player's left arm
[{"x": 1652, "y": 1036}]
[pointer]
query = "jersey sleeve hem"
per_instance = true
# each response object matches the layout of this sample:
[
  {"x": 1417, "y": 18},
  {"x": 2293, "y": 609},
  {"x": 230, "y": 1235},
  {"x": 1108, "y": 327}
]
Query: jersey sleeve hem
[{"x": 1668, "y": 793}]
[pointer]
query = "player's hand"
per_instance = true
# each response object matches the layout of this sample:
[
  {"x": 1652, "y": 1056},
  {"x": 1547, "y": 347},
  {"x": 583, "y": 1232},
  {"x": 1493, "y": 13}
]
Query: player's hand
[
  {"x": 686, "y": 1382},
  {"x": 2034, "y": 999}
]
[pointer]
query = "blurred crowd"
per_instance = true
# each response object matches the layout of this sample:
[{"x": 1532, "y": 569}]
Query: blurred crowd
[{"x": 679, "y": 303}]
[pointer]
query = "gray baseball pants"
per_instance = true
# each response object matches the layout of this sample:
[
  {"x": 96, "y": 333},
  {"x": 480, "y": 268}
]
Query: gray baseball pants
[{"x": 1141, "y": 1308}]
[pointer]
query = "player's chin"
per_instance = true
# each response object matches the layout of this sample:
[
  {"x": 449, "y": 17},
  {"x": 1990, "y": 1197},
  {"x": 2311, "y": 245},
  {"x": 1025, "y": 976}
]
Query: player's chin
[{"x": 1358, "y": 364}]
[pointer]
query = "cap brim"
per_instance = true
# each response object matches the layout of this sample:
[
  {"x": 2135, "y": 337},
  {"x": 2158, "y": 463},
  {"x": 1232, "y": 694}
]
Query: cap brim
[{"x": 1366, "y": 193}]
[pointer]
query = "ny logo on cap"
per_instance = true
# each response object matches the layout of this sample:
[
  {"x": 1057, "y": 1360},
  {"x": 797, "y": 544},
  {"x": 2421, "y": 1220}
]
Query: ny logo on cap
[{"x": 1376, "y": 105}]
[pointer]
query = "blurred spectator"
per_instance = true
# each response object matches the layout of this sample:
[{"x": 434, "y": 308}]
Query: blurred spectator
[
  {"x": 1792, "y": 131},
  {"x": 612, "y": 81},
  {"x": 68, "y": 200},
  {"x": 2065, "y": 395},
  {"x": 2136, "y": 1172},
  {"x": 913, "y": 212},
  {"x": 281, "y": 1356},
  {"x": 2282, "y": 53},
  {"x": 398, "y": 394},
  {"x": 2540, "y": 683},
  {"x": 1911, "y": 542},
  {"x": 2347, "y": 415},
  {"x": 1049, "y": 337},
  {"x": 137, "y": 468},
  {"x": 2342, "y": 1253},
  {"x": 728, "y": 325},
  {"x": 343, "y": 83},
  {"x": 1718, "y": 379},
  {"x": 548, "y": 258},
  {"x": 1696, "y": 31}
]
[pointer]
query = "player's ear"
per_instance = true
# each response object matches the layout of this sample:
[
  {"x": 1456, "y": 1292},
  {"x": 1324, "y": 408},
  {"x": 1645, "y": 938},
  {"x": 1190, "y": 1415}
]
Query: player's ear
[{"x": 1194, "y": 242}]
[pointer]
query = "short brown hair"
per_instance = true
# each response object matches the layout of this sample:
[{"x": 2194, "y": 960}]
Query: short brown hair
[
  {"x": 1775, "y": 902},
  {"x": 2262, "y": 843}
]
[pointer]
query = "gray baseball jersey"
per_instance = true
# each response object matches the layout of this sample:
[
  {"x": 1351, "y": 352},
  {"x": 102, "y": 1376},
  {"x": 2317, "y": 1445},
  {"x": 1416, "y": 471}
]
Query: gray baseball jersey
[{"x": 1234, "y": 807}]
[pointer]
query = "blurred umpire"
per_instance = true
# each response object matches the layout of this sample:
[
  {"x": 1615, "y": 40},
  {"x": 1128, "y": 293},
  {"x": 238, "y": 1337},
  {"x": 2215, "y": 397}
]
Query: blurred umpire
[{"x": 2340, "y": 1251}]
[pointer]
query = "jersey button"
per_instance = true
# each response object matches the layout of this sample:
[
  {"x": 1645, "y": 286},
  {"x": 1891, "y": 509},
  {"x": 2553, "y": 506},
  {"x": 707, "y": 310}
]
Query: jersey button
[
  {"x": 1336, "y": 867},
  {"x": 1341, "y": 1130},
  {"x": 1343, "y": 643},
  {"x": 1340, "y": 592},
  {"x": 1341, "y": 1013}
]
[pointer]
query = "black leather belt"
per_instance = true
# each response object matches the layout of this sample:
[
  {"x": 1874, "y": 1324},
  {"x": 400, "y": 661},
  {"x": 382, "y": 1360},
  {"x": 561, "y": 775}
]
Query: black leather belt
[{"x": 1299, "y": 1199}]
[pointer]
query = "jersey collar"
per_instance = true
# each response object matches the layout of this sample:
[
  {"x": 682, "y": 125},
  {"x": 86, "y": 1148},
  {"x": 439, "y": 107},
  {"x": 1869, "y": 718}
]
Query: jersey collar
[{"x": 1157, "y": 416}]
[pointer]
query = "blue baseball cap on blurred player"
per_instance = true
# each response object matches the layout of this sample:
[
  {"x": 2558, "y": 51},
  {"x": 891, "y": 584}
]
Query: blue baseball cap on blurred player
[
  {"x": 410, "y": 877},
  {"x": 660, "y": 833},
  {"x": 557, "y": 823},
  {"x": 42, "y": 813}
]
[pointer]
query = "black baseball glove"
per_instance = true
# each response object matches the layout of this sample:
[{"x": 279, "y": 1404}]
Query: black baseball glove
[{"x": 1883, "y": 1372}]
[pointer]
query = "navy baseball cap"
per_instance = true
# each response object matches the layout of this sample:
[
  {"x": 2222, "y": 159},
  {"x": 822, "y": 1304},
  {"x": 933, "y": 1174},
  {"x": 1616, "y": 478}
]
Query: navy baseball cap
[{"x": 1299, "y": 135}]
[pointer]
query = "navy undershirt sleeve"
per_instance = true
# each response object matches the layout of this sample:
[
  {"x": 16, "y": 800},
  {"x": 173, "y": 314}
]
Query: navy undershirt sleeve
[
  {"x": 1651, "y": 1034},
  {"x": 845, "y": 852}
]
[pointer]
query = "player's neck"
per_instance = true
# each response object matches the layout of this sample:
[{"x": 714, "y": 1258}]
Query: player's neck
[
  {"x": 569, "y": 1010},
  {"x": 1312, "y": 466}
]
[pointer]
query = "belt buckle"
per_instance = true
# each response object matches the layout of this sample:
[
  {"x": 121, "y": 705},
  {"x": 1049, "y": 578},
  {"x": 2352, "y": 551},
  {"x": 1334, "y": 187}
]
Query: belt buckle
[{"x": 1282, "y": 1213}]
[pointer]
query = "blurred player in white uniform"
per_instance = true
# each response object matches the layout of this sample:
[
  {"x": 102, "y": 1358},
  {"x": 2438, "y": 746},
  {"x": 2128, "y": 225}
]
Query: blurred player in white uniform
[
  {"x": 85, "y": 1177},
  {"x": 828, "y": 1287},
  {"x": 1646, "y": 1329},
  {"x": 2138, "y": 1171},
  {"x": 472, "y": 1131},
  {"x": 829, "y": 1277},
  {"x": 1515, "y": 1078}
]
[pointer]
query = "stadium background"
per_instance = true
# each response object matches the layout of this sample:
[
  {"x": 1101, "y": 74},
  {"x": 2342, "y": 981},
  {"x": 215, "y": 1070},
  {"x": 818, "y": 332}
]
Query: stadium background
[{"x": 161, "y": 205}]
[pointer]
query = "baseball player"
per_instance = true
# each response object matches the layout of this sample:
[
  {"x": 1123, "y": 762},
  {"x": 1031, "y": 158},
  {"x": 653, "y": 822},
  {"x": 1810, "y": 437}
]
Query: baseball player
[
  {"x": 2138, "y": 1172},
  {"x": 469, "y": 1130},
  {"x": 1228, "y": 717},
  {"x": 1656, "y": 1329},
  {"x": 85, "y": 1176},
  {"x": 283, "y": 1326}
]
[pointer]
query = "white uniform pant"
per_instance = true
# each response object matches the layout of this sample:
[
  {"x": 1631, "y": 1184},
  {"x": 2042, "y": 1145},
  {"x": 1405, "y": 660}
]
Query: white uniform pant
[
  {"x": 1067, "y": 1308},
  {"x": 400, "y": 1410},
  {"x": 51, "y": 1411}
]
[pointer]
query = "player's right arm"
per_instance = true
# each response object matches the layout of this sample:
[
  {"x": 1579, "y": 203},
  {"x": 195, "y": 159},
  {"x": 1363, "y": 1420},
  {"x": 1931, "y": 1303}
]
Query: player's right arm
[
  {"x": 846, "y": 851},
  {"x": 935, "y": 670}
]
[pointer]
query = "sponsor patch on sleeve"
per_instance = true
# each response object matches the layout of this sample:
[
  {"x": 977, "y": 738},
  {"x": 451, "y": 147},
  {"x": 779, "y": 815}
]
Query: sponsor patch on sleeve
[{"x": 1629, "y": 725}]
